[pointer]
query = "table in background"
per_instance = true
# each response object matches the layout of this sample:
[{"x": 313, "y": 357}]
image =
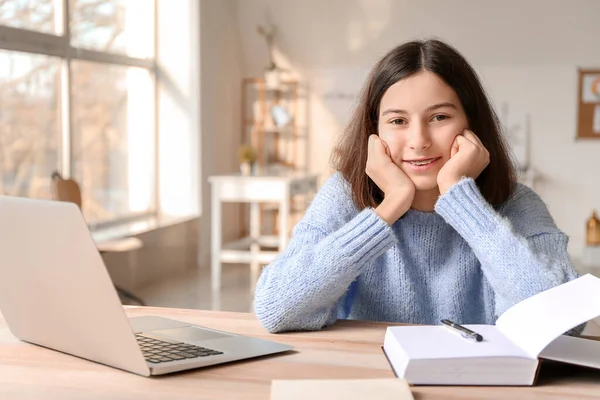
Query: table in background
[
  {"x": 348, "y": 350},
  {"x": 271, "y": 186}
]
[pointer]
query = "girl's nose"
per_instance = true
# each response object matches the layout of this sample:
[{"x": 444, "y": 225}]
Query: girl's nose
[{"x": 419, "y": 138}]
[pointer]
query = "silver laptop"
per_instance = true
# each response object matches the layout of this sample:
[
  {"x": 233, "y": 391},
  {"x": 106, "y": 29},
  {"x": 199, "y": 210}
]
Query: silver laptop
[{"x": 55, "y": 292}]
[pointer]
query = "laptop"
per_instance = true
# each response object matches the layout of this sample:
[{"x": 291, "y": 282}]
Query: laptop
[{"x": 55, "y": 292}]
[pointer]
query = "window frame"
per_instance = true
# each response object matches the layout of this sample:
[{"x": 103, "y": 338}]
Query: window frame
[{"x": 59, "y": 45}]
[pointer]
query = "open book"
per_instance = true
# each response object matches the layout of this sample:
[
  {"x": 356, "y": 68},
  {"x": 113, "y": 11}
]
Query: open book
[{"x": 510, "y": 351}]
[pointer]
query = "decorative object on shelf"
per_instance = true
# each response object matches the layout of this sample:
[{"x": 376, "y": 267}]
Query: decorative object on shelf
[
  {"x": 592, "y": 237},
  {"x": 272, "y": 71},
  {"x": 590, "y": 257},
  {"x": 280, "y": 115},
  {"x": 247, "y": 156},
  {"x": 588, "y": 104}
]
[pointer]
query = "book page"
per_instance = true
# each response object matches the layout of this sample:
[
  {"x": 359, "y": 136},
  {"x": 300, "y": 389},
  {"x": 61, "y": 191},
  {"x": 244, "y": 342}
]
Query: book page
[
  {"x": 574, "y": 350},
  {"x": 341, "y": 389},
  {"x": 536, "y": 321},
  {"x": 440, "y": 342}
]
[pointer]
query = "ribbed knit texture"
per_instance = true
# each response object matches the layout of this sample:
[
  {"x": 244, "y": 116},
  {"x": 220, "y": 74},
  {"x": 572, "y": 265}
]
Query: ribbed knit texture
[{"x": 466, "y": 261}]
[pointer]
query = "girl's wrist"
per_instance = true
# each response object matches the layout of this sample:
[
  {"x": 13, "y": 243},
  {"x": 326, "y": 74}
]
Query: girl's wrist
[{"x": 390, "y": 211}]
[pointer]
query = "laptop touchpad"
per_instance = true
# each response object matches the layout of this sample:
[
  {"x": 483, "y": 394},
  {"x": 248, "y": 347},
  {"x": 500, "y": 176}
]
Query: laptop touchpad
[{"x": 189, "y": 334}]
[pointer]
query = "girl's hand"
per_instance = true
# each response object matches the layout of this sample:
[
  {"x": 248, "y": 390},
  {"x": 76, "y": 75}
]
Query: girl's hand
[
  {"x": 398, "y": 189},
  {"x": 468, "y": 158}
]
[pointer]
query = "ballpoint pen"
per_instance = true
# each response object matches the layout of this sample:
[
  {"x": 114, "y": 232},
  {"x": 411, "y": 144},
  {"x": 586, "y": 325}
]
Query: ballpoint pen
[{"x": 464, "y": 332}]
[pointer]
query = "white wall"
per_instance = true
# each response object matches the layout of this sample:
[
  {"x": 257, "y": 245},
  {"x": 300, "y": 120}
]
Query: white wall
[
  {"x": 178, "y": 103},
  {"x": 527, "y": 53},
  {"x": 220, "y": 90}
]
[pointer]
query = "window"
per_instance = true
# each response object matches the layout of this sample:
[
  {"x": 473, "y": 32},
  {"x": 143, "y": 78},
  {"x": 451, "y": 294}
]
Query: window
[
  {"x": 29, "y": 123},
  {"x": 118, "y": 26},
  {"x": 112, "y": 143},
  {"x": 35, "y": 15},
  {"x": 79, "y": 96}
]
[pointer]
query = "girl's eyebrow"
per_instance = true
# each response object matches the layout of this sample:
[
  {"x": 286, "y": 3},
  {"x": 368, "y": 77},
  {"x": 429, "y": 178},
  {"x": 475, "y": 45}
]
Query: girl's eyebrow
[
  {"x": 429, "y": 109},
  {"x": 440, "y": 105}
]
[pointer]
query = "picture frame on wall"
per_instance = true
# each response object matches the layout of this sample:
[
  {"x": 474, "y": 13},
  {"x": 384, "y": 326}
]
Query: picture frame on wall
[{"x": 588, "y": 107}]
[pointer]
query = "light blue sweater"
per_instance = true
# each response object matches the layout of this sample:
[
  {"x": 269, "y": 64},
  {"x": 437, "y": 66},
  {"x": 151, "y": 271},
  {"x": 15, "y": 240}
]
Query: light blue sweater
[{"x": 465, "y": 261}]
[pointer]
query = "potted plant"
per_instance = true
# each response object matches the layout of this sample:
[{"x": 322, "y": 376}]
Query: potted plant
[{"x": 247, "y": 157}]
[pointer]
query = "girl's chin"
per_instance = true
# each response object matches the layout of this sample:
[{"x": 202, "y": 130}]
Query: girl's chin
[{"x": 425, "y": 184}]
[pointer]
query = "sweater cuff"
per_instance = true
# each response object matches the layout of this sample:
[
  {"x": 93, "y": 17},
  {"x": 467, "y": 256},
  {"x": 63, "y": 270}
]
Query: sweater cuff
[
  {"x": 365, "y": 237},
  {"x": 466, "y": 210}
]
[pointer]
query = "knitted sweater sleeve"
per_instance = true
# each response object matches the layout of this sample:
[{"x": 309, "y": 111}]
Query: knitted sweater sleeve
[
  {"x": 520, "y": 249},
  {"x": 330, "y": 247}
]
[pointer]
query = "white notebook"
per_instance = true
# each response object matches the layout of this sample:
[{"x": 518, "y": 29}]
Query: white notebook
[
  {"x": 510, "y": 351},
  {"x": 341, "y": 389}
]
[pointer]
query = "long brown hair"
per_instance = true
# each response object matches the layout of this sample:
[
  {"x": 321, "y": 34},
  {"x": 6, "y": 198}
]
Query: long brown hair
[{"x": 496, "y": 182}]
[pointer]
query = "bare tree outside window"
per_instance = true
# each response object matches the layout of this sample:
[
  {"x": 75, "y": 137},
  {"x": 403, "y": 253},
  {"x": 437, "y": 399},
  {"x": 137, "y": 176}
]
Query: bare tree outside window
[
  {"x": 29, "y": 105},
  {"x": 29, "y": 123},
  {"x": 35, "y": 15},
  {"x": 117, "y": 26},
  {"x": 112, "y": 131},
  {"x": 103, "y": 117},
  {"x": 103, "y": 112}
]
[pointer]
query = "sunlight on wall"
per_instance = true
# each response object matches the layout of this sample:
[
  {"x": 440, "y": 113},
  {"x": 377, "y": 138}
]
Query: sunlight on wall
[
  {"x": 175, "y": 161},
  {"x": 140, "y": 131},
  {"x": 140, "y": 95},
  {"x": 177, "y": 144}
]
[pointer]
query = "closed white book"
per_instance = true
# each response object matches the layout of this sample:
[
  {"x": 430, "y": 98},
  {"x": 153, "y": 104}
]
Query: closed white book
[{"x": 510, "y": 351}]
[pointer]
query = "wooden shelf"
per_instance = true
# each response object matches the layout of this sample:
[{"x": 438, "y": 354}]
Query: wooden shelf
[
  {"x": 257, "y": 121},
  {"x": 285, "y": 86},
  {"x": 240, "y": 251},
  {"x": 285, "y": 145}
]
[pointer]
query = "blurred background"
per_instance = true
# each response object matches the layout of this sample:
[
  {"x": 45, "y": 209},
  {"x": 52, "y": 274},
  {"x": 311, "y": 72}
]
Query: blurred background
[{"x": 147, "y": 108}]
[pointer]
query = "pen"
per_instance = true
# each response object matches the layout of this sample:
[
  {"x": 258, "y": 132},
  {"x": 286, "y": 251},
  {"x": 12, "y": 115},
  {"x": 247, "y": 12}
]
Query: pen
[{"x": 464, "y": 332}]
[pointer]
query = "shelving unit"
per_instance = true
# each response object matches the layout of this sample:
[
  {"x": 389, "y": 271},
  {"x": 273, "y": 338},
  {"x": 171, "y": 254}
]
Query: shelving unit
[{"x": 280, "y": 147}]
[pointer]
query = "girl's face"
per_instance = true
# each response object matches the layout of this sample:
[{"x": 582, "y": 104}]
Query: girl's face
[{"x": 419, "y": 117}]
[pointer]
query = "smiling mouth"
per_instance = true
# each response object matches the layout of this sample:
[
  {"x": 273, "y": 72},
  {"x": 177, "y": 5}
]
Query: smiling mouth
[{"x": 422, "y": 162}]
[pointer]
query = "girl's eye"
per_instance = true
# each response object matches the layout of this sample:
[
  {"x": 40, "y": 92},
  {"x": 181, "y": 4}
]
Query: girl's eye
[
  {"x": 440, "y": 117},
  {"x": 397, "y": 121}
]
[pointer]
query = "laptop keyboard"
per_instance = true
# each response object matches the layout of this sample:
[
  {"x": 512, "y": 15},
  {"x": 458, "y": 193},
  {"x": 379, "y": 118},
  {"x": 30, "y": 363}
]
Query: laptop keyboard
[{"x": 159, "y": 350}]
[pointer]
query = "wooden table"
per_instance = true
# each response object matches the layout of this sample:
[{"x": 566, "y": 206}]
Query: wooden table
[{"x": 349, "y": 349}]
